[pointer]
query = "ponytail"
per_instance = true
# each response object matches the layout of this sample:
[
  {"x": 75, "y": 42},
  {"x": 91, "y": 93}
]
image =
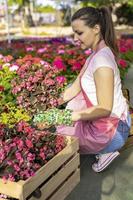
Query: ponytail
[{"x": 107, "y": 30}]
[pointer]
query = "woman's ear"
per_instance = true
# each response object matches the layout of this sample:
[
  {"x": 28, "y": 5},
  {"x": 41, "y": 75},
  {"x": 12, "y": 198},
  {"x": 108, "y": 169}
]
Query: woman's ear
[{"x": 96, "y": 29}]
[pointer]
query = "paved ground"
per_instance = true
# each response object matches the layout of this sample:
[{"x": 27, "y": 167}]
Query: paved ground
[{"x": 116, "y": 183}]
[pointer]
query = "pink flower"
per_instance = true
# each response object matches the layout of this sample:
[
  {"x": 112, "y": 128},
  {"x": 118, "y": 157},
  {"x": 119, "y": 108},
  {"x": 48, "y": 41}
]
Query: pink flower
[
  {"x": 76, "y": 66},
  {"x": 29, "y": 143},
  {"x": 53, "y": 102},
  {"x": 49, "y": 82},
  {"x": 123, "y": 49},
  {"x": 17, "y": 168},
  {"x": 29, "y": 49},
  {"x": 58, "y": 63},
  {"x": 61, "y": 51},
  {"x": 41, "y": 50},
  {"x": 8, "y": 58},
  {"x": 122, "y": 63},
  {"x": 35, "y": 79},
  {"x": 18, "y": 155},
  {"x": 42, "y": 155},
  {"x": 1, "y": 56},
  {"x": 88, "y": 51},
  {"x": 42, "y": 62},
  {"x": 61, "y": 79}
]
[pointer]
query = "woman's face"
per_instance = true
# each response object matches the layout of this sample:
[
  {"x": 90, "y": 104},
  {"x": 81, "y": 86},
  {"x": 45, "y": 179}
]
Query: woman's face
[{"x": 85, "y": 36}]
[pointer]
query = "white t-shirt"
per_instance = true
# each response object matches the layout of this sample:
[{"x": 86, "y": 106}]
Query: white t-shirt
[{"x": 104, "y": 58}]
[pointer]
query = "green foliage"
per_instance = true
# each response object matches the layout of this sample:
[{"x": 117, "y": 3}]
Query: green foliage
[
  {"x": 10, "y": 113},
  {"x": 124, "y": 13},
  {"x": 103, "y": 2},
  {"x": 45, "y": 9},
  {"x": 18, "y": 2},
  {"x": 5, "y": 80}
]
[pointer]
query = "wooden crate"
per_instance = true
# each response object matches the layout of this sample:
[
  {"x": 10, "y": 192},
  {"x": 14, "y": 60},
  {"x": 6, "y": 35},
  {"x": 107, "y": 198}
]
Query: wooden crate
[
  {"x": 129, "y": 142},
  {"x": 54, "y": 181},
  {"x": 131, "y": 130}
]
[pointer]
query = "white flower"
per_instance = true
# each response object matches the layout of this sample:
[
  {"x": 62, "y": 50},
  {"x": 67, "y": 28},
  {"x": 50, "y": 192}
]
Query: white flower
[
  {"x": 6, "y": 65},
  {"x": 14, "y": 67}
]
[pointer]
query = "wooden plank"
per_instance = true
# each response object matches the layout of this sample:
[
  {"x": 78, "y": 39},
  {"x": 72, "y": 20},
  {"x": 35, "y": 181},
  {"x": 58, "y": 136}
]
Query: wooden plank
[
  {"x": 43, "y": 173},
  {"x": 13, "y": 189},
  {"x": 69, "y": 185},
  {"x": 129, "y": 143},
  {"x": 59, "y": 178},
  {"x": 131, "y": 130}
]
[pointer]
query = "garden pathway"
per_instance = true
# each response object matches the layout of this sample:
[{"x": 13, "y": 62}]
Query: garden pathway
[{"x": 116, "y": 183}]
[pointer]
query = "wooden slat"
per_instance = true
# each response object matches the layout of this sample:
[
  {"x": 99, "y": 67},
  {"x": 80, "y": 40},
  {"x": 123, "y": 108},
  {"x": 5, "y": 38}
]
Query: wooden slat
[
  {"x": 131, "y": 130},
  {"x": 12, "y": 189},
  {"x": 42, "y": 174},
  {"x": 58, "y": 178},
  {"x": 129, "y": 143},
  {"x": 69, "y": 185}
]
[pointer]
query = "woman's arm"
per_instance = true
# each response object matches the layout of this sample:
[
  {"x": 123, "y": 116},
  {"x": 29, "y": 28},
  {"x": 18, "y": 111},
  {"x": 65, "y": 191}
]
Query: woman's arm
[
  {"x": 104, "y": 80},
  {"x": 72, "y": 91}
]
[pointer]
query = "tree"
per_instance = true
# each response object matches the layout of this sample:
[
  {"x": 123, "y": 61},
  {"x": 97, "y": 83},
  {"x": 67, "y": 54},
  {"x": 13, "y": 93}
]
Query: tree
[
  {"x": 24, "y": 7},
  {"x": 103, "y": 2},
  {"x": 123, "y": 12}
]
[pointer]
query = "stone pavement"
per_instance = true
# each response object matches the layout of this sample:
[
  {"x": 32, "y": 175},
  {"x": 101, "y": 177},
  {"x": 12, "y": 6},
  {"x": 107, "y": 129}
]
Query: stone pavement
[{"x": 116, "y": 183}]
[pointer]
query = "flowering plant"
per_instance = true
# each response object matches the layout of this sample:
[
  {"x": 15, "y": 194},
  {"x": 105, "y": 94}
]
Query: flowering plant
[
  {"x": 5, "y": 84},
  {"x": 54, "y": 116},
  {"x": 10, "y": 113},
  {"x": 23, "y": 150},
  {"x": 62, "y": 53},
  {"x": 37, "y": 85},
  {"x": 126, "y": 56}
]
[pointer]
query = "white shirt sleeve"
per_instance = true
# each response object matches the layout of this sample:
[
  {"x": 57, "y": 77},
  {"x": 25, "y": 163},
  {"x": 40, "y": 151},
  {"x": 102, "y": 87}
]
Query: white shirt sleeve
[{"x": 102, "y": 60}]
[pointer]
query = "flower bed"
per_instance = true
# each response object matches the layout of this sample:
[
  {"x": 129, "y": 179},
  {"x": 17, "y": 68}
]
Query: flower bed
[
  {"x": 63, "y": 53},
  {"x": 23, "y": 150},
  {"x": 53, "y": 181}
]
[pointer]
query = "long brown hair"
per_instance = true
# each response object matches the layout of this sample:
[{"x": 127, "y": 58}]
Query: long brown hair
[{"x": 101, "y": 16}]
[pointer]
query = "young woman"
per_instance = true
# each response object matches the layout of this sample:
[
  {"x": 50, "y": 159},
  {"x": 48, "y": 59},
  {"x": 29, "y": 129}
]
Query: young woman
[{"x": 100, "y": 114}]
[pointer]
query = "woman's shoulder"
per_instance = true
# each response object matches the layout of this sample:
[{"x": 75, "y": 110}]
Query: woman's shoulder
[
  {"x": 105, "y": 52},
  {"x": 103, "y": 58}
]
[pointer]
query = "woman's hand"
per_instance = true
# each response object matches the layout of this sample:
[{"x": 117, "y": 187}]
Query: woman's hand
[{"x": 75, "y": 116}]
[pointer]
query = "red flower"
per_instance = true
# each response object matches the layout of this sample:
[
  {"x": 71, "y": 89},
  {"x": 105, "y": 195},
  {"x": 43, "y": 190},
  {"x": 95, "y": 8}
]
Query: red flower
[
  {"x": 1, "y": 88},
  {"x": 122, "y": 63},
  {"x": 58, "y": 63},
  {"x": 61, "y": 79},
  {"x": 29, "y": 143},
  {"x": 76, "y": 66}
]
